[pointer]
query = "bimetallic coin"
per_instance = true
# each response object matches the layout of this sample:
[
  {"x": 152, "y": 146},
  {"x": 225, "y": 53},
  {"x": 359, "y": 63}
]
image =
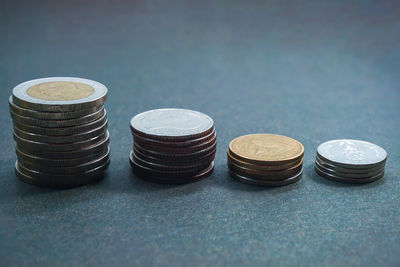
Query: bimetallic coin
[
  {"x": 175, "y": 144},
  {"x": 266, "y": 149},
  {"x": 59, "y": 94},
  {"x": 62, "y": 130},
  {"x": 68, "y": 162},
  {"x": 57, "y": 123},
  {"x": 64, "y": 181},
  {"x": 244, "y": 164},
  {"x": 85, "y": 151},
  {"x": 87, "y": 166},
  {"x": 348, "y": 175},
  {"x": 265, "y": 175},
  {"x": 352, "y": 153},
  {"x": 261, "y": 182},
  {"x": 172, "y": 124},
  {"x": 40, "y": 115},
  {"x": 347, "y": 180},
  {"x": 348, "y": 170},
  {"x": 61, "y": 139},
  {"x": 46, "y": 147}
]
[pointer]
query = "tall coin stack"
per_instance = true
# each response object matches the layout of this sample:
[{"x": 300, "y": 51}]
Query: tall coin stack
[
  {"x": 60, "y": 130},
  {"x": 350, "y": 161},
  {"x": 265, "y": 159},
  {"x": 173, "y": 145}
]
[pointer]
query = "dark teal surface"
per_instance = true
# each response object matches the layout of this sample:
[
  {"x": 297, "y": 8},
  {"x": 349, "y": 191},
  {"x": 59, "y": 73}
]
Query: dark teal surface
[{"x": 312, "y": 70}]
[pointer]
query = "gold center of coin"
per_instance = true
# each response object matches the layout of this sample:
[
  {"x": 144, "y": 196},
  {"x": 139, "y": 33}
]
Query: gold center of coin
[
  {"x": 266, "y": 147},
  {"x": 60, "y": 91}
]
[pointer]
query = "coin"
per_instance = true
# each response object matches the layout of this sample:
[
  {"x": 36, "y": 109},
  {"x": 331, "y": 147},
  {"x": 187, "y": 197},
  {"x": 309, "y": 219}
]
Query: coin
[
  {"x": 171, "y": 143},
  {"x": 64, "y": 181},
  {"x": 57, "y": 123},
  {"x": 87, "y": 166},
  {"x": 266, "y": 175},
  {"x": 85, "y": 151},
  {"x": 46, "y": 147},
  {"x": 172, "y": 124},
  {"x": 348, "y": 175},
  {"x": 262, "y": 182},
  {"x": 262, "y": 167},
  {"x": 266, "y": 149},
  {"x": 189, "y": 166},
  {"x": 40, "y": 115},
  {"x": 348, "y": 170},
  {"x": 62, "y": 130},
  {"x": 61, "y": 139},
  {"x": 59, "y": 94},
  {"x": 353, "y": 154},
  {"x": 348, "y": 180},
  {"x": 68, "y": 162},
  {"x": 143, "y": 173}
]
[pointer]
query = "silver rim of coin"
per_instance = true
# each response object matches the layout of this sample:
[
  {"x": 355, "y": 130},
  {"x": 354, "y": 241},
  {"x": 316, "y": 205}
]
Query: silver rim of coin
[{"x": 23, "y": 99}]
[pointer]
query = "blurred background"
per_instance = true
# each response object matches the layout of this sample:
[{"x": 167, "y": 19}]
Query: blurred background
[{"x": 311, "y": 70}]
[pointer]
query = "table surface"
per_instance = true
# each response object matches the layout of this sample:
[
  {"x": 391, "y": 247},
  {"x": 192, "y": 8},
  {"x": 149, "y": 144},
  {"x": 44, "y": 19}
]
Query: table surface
[{"x": 311, "y": 70}]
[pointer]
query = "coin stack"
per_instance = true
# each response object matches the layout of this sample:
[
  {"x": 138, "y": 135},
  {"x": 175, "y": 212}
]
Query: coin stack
[
  {"x": 173, "y": 146},
  {"x": 265, "y": 159},
  {"x": 350, "y": 161},
  {"x": 60, "y": 129}
]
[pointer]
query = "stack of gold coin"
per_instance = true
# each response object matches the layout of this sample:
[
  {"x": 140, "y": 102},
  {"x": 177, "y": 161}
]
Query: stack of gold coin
[
  {"x": 265, "y": 159},
  {"x": 60, "y": 130}
]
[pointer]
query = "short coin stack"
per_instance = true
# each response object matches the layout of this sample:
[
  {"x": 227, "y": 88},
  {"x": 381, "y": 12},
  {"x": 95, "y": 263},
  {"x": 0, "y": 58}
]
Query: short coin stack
[
  {"x": 265, "y": 159},
  {"x": 173, "y": 146},
  {"x": 350, "y": 161},
  {"x": 60, "y": 129}
]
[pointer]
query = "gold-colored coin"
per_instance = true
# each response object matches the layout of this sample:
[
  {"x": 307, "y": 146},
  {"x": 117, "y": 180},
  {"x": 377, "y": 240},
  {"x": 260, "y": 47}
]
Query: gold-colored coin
[
  {"x": 60, "y": 91},
  {"x": 266, "y": 149}
]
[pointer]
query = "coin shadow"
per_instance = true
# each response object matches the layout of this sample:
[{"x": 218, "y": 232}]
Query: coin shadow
[
  {"x": 321, "y": 180},
  {"x": 235, "y": 185}
]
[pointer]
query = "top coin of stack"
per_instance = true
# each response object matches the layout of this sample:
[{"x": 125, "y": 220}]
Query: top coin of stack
[
  {"x": 60, "y": 129},
  {"x": 350, "y": 161},
  {"x": 265, "y": 159},
  {"x": 173, "y": 145}
]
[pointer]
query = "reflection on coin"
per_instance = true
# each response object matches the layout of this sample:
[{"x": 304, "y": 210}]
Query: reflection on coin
[
  {"x": 352, "y": 153},
  {"x": 266, "y": 149},
  {"x": 348, "y": 180},
  {"x": 172, "y": 124},
  {"x": 261, "y": 182},
  {"x": 59, "y": 94}
]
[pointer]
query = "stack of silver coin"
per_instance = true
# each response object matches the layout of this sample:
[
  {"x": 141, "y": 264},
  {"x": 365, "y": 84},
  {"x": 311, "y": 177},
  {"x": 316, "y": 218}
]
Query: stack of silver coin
[
  {"x": 60, "y": 130},
  {"x": 350, "y": 161}
]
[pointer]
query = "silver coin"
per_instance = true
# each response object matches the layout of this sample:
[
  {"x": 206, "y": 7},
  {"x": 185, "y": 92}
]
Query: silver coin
[
  {"x": 62, "y": 181},
  {"x": 46, "y": 147},
  {"x": 62, "y": 130},
  {"x": 261, "y": 182},
  {"x": 68, "y": 162},
  {"x": 40, "y": 115},
  {"x": 347, "y": 180},
  {"x": 59, "y": 94},
  {"x": 353, "y": 154},
  {"x": 348, "y": 175},
  {"x": 87, "y": 166},
  {"x": 86, "y": 151},
  {"x": 60, "y": 139},
  {"x": 172, "y": 124},
  {"x": 58, "y": 123},
  {"x": 348, "y": 170}
]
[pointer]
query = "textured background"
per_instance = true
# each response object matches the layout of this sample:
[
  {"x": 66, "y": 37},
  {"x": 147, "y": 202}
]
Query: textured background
[{"x": 312, "y": 70}]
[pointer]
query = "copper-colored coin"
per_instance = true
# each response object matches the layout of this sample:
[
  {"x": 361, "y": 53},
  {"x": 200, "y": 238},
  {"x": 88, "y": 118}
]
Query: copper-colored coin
[
  {"x": 261, "y": 182},
  {"x": 244, "y": 164},
  {"x": 265, "y": 175},
  {"x": 266, "y": 149}
]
